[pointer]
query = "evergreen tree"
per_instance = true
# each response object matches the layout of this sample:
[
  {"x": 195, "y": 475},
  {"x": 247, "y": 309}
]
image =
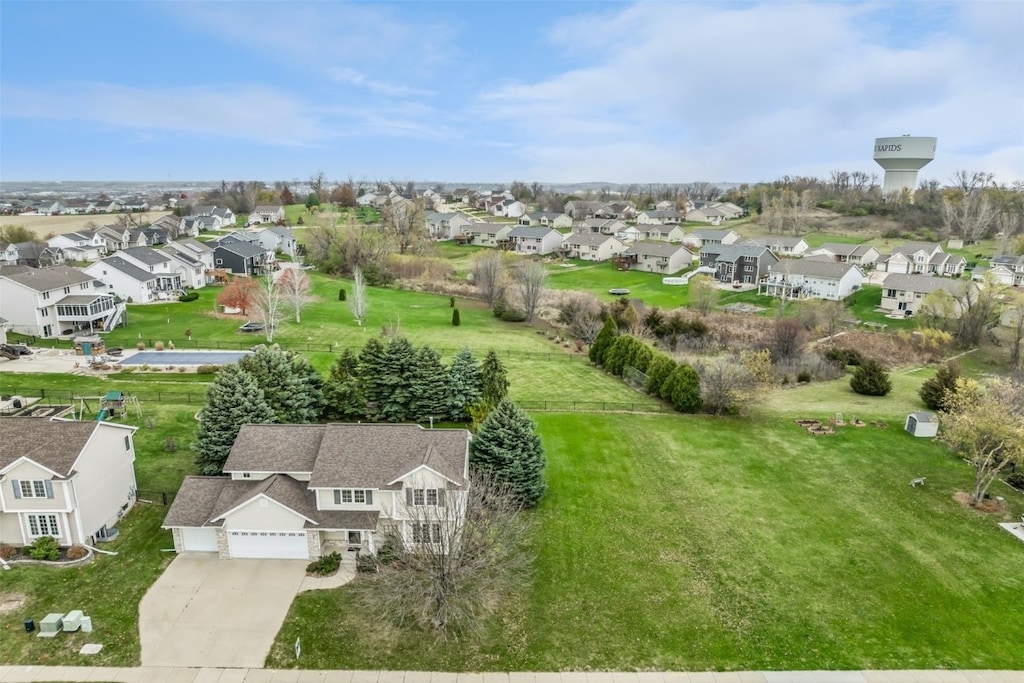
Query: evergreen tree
[
  {"x": 937, "y": 391},
  {"x": 291, "y": 388},
  {"x": 615, "y": 356},
  {"x": 639, "y": 356},
  {"x": 495, "y": 380},
  {"x": 341, "y": 294},
  {"x": 343, "y": 394},
  {"x": 429, "y": 386},
  {"x": 602, "y": 342},
  {"x": 233, "y": 399},
  {"x": 465, "y": 385},
  {"x": 871, "y": 379},
  {"x": 396, "y": 381},
  {"x": 508, "y": 446},
  {"x": 456, "y": 319},
  {"x": 660, "y": 368},
  {"x": 682, "y": 389},
  {"x": 370, "y": 371}
]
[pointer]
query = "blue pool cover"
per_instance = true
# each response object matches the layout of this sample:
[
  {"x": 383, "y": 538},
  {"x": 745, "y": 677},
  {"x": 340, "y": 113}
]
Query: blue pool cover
[{"x": 184, "y": 358}]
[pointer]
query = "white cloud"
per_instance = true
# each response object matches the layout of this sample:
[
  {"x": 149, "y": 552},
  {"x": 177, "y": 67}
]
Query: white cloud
[{"x": 755, "y": 92}]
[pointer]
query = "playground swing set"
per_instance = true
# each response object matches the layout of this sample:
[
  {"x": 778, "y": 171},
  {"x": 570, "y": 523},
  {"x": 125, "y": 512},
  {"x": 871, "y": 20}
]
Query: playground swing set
[{"x": 113, "y": 404}]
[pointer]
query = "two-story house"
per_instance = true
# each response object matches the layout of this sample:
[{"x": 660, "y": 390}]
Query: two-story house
[
  {"x": 665, "y": 233},
  {"x": 588, "y": 246},
  {"x": 925, "y": 258},
  {"x": 659, "y": 257},
  {"x": 781, "y": 246},
  {"x": 200, "y": 251},
  {"x": 487, "y": 234},
  {"x": 8, "y": 254},
  {"x": 535, "y": 241},
  {"x": 158, "y": 262},
  {"x": 38, "y": 255},
  {"x": 190, "y": 269},
  {"x": 604, "y": 226},
  {"x": 658, "y": 217},
  {"x": 243, "y": 258},
  {"x": 745, "y": 263},
  {"x": 1014, "y": 264},
  {"x": 49, "y": 302},
  {"x": 278, "y": 238},
  {"x": 905, "y": 293},
  {"x": 69, "y": 480},
  {"x": 446, "y": 226},
  {"x": 267, "y": 213},
  {"x": 125, "y": 279},
  {"x": 83, "y": 245},
  {"x": 301, "y": 491},
  {"x": 547, "y": 219},
  {"x": 811, "y": 279}
]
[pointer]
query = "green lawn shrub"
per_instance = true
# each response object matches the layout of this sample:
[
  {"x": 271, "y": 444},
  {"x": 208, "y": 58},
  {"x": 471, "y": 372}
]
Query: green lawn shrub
[
  {"x": 44, "y": 548},
  {"x": 871, "y": 379},
  {"x": 325, "y": 566},
  {"x": 189, "y": 296},
  {"x": 844, "y": 357}
]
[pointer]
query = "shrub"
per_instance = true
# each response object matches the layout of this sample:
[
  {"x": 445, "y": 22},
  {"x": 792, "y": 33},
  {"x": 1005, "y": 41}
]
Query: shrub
[
  {"x": 7, "y": 551},
  {"x": 803, "y": 376},
  {"x": 366, "y": 564},
  {"x": 844, "y": 357},
  {"x": 682, "y": 389},
  {"x": 44, "y": 548},
  {"x": 935, "y": 392},
  {"x": 207, "y": 369},
  {"x": 341, "y": 294},
  {"x": 77, "y": 552},
  {"x": 390, "y": 550},
  {"x": 456, "y": 319},
  {"x": 871, "y": 379},
  {"x": 189, "y": 296},
  {"x": 1016, "y": 480},
  {"x": 326, "y": 565},
  {"x": 451, "y": 302},
  {"x": 512, "y": 315},
  {"x": 141, "y": 346},
  {"x": 159, "y": 346}
]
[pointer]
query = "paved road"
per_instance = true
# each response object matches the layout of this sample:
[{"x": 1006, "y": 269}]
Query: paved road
[{"x": 21, "y": 674}]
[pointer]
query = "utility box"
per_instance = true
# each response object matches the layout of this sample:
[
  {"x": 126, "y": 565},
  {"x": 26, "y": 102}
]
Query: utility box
[
  {"x": 51, "y": 625},
  {"x": 73, "y": 621},
  {"x": 86, "y": 624},
  {"x": 30, "y": 625},
  {"x": 922, "y": 424}
]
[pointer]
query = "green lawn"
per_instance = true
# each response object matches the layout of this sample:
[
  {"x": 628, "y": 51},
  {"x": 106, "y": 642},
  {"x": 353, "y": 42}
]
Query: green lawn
[
  {"x": 108, "y": 590},
  {"x": 862, "y": 305},
  {"x": 599, "y": 278},
  {"x": 693, "y": 543}
]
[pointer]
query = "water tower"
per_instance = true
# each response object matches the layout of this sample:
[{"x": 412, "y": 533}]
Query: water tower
[{"x": 902, "y": 158}]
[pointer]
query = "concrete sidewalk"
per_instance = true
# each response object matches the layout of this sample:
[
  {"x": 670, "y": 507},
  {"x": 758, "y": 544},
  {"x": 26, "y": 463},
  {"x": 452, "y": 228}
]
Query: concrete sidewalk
[{"x": 20, "y": 674}]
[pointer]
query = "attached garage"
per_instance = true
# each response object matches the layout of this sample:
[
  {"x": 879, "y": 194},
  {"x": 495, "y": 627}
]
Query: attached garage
[
  {"x": 199, "y": 539},
  {"x": 280, "y": 545}
]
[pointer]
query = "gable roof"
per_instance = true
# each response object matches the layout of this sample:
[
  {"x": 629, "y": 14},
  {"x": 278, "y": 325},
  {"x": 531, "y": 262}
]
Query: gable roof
[
  {"x": 710, "y": 234},
  {"x": 532, "y": 231},
  {"x": 193, "y": 245},
  {"x": 588, "y": 239},
  {"x": 488, "y": 228},
  {"x": 656, "y": 248},
  {"x": 46, "y": 279},
  {"x": 908, "y": 248},
  {"x": 129, "y": 269},
  {"x": 923, "y": 283},
  {"x": 54, "y": 444},
  {"x": 150, "y": 257},
  {"x": 242, "y": 248},
  {"x": 275, "y": 448},
  {"x": 767, "y": 241},
  {"x": 841, "y": 249},
  {"x": 731, "y": 252},
  {"x": 813, "y": 268}
]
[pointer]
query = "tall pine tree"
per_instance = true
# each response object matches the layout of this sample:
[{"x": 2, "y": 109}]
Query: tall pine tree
[
  {"x": 371, "y": 369},
  {"x": 603, "y": 341},
  {"x": 396, "y": 381},
  {"x": 508, "y": 446},
  {"x": 495, "y": 380},
  {"x": 292, "y": 388},
  {"x": 233, "y": 399},
  {"x": 342, "y": 392},
  {"x": 465, "y": 385},
  {"x": 429, "y": 386}
]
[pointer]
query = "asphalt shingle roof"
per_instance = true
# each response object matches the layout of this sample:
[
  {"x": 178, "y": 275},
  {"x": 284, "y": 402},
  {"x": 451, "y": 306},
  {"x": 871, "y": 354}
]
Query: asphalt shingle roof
[
  {"x": 922, "y": 283},
  {"x": 53, "y": 444},
  {"x": 47, "y": 279},
  {"x": 129, "y": 269}
]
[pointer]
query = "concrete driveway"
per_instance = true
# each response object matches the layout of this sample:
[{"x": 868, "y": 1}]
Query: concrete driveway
[{"x": 208, "y": 612}]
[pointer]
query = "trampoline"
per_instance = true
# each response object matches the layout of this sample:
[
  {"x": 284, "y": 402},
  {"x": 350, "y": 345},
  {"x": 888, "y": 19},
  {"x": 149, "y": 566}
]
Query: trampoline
[{"x": 185, "y": 358}]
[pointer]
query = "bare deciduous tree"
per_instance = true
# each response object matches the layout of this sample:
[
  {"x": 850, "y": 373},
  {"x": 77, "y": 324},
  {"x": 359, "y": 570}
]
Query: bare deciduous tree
[
  {"x": 268, "y": 305},
  {"x": 295, "y": 287},
  {"x": 725, "y": 385},
  {"x": 490, "y": 276},
  {"x": 703, "y": 294},
  {"x": 530, "y": 279},
  {"x": 457, "y": 562},
  {"x": 969, "y": 212},
  {"x": 317, "y": 184},
  {"x": 979, "y": 310},
  {"x": 1013, "y": 309},
  {"x": 358, "y": 303},
  {"x": 404, "y": 223}
]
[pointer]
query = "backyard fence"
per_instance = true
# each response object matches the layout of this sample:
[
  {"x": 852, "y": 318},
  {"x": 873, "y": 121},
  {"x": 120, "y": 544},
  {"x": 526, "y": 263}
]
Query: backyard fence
[{"x": 158, "y": 497}]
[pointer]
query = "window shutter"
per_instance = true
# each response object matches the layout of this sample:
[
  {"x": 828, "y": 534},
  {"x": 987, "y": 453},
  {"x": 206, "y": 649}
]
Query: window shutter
[
  {"x": 49, "y": 488},
  {"x": 408, "y": 496},
  {"x": 440, "y": 498},
  {"x": 17, "y": 488},
  {"x": 369, "y": 497},
  {"x": 337, "y": 496}
]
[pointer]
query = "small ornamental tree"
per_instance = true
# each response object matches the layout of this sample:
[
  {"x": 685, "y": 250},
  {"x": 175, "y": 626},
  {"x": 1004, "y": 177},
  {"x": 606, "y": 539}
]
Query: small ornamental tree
[
  {"x": 937, "y": 391},
  {"x": 682, "y": 389},
  {"x": 603, "y": 342},
  {"x": 341, "y": 294},
  {"x": 233, "y": 399},
  {"x": 508, "y": 447},
  {"x": 239, "y": 293},
  {"x": 456, "y": 320},
  {"x": 871, "y": 379}
]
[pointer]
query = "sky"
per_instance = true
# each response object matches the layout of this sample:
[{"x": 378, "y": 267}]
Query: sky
[{"x": 536, "y": 91}]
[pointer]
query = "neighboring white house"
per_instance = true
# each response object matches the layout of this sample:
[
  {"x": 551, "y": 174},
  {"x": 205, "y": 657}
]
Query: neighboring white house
[
  {"x": 658, "y": 217},
  {"x": 278, "y": 239},
  {"x": 665, "y": 233},
  {"x": 706, "y": 237},
  {"x": 1015, "y": 264},
  {"x": 487, "y": 234},
  {"x": 8, "y": 254},
  {"x": 69, "y": 480},
  {"x": 862, "y": 255},
  {"x": 49, "y": 302},
  {"x": 998, "y": 274},
  {"x": 197, "y": 250},
  {"x": 190, "y": 269},
  {"x": 302, "y": 491},
  {"x": 125, "y": 279},
  {"x": 446, "y": 226},
  {"x": 535, "y": 241},
  {"x": 810, "y": 279},
  {"x": 548, "y": 219},
  {"x": 905, "y": 293},
  {"x": 923, "y": 258},
  {"x": 267, "y": 213},
  {"x": 591, "y": 247},
  {"x": 157, "y": 262},
  {"x": 781, "y": 246},
  {"x": 604, "y": 226},
  {"x": 659, "y": 257},
  {"x": 632, "y": 233},
  {"x": 84, "y": 245}
]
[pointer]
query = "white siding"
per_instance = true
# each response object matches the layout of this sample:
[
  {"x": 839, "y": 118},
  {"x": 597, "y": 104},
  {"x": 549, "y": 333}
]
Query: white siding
[
  {"x": 104, "y": 487},
  {"x": 263, "y": 514}
]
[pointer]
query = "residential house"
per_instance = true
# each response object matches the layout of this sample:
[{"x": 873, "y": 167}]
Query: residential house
[
  {"x": 604, "y": 226},
  {"x": 66, "y": 479},
  {"x": 487, "y": 234},
  {"x": 1014, "y": 264},
  {"x": 904, "y": 294},
  {"x": 302, "y": 491},
  {"x": 446, "y": 226},
  {"x": 659, "y": 257},
  {"x": 712, "y": 212},
  {"x": 632, "y": 233},
  {"x": 225, "y": 216},
  {"x": 84, "y": 245},
  {"x": 745, "y": 263},
  {"x": 159, "y": 263},
  {"x": 922, "y": 258},
  {"x": 38, "y": 256},
  {"x": 8, "y": 254},
  {"x": 172, "y": 227},
  {"x": 137, "y": 237},
  {"x": 366, "y": 199},
  {"x": 49, "y": 302},
  {"x": 279, "y": 238},
  {"x": 781, "y": 246},
  {"x": 534, "y": 241},
  {"x": 201, "y": 251},
  {"x": 997, "y": 274},
  {"x": 268, "y": 213},
  {"x": 45, "y": 207},
  {"x": 658, "y": 217},
  {"x": 243, "y": 258},
  {"x": 578, "y": 209},
  {"x": 190, "y": 269},
  {"x": 621, "y": 210},
  {"x": 510, "y": 208},
  {"x": 862, "y": 255},
  {"x": 125, "y": 280},
  {"x": 811, "y": 279},
  {"x": 115, "y": 237},
  {"x": 548, "y": 219},
  {"x": 590, "y": 246},
  {"x": 197, "y": 224},
  {"x": 701, "y": 237},
  {"x": 665, "y": 233}
]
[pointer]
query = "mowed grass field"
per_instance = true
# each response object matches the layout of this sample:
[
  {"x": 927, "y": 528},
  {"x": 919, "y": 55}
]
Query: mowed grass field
[{"x": 696, "y": 543}]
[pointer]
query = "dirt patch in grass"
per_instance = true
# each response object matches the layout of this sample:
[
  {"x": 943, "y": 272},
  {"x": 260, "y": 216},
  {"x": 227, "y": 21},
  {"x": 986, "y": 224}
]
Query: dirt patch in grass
[
  {"x": 989, "y": 505},
  {"x": 10, "y": 602}
]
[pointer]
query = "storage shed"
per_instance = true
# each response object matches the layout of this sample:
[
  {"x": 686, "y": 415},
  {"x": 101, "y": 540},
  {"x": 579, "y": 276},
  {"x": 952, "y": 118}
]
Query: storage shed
[{"x": 922, "y": 424}]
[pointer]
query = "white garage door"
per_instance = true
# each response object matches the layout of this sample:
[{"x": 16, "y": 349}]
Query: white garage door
[
  {"x": 285, "y": 545},
  {"x": 203, "y": 540}
]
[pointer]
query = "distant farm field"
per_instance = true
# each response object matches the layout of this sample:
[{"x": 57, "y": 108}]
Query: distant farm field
[{"x": 44, "y": 225}]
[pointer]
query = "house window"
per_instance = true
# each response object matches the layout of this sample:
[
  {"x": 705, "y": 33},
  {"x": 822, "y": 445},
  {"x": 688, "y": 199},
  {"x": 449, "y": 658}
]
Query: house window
[
  {"x": 45, "y": 312},
  {"x": 46, "y": 295},
  {"x": 67, "y": 290},
  {"x": 43, "y": 525},
  {"x": 33, "y": 488},
  {"x": 353, "y": 496},
  {"x": 426, "y": 532},
  {"x": 128, "y": 443},
  {"x": 890, "y": 293},
  {"x": 424, "y": 496},
  {"x": 220, "y": 261},
  {"x": 355, "y": 537}
]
